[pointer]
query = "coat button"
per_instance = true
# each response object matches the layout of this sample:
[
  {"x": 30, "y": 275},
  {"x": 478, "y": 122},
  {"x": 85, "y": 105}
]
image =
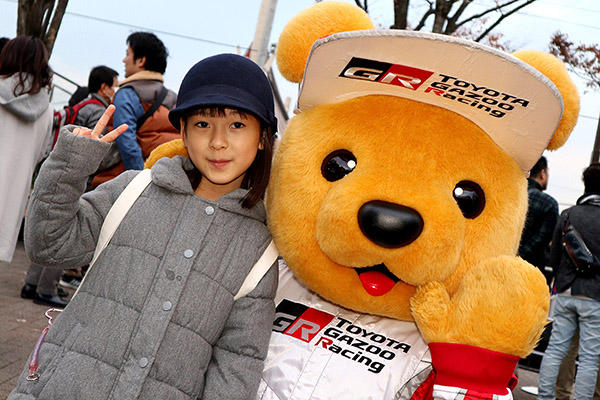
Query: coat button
[
  {"x": 209, "y": 210},
  {"x": 167, "y": 305},
  {"x": 143, "y": 362},
  {"x": 188, "y": 253}
]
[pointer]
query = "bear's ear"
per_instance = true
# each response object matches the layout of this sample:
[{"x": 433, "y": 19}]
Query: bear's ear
[
  {"x": 169, "y": 149},
  {"x": 320, "y": 20},
  {"x": 555, "y": 70}
]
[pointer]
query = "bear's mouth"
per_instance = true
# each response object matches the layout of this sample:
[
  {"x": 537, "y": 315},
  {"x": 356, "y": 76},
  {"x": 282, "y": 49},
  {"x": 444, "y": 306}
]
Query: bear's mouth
[{"x": 376, "y": 279}]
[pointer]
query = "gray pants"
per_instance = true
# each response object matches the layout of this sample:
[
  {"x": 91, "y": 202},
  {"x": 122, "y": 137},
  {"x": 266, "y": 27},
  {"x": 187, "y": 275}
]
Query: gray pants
[
  {"x": 45, "y": 278},
  {"x": 566, "y": 373}
]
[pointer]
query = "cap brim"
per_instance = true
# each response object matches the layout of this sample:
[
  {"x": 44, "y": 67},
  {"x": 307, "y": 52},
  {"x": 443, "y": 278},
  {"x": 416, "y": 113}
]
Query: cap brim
[
  {"x": 212, "y": 96},
  {"x": 516, "y": 105}
]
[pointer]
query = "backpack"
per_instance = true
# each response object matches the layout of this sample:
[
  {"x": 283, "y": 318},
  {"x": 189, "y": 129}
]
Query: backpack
[
  {"x": 67, "y": 116},
  {"x": 586, "y": 264}
]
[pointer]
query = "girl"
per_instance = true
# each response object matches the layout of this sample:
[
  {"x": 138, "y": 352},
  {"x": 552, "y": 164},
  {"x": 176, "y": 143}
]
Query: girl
[{"x": 155, "y": 317}]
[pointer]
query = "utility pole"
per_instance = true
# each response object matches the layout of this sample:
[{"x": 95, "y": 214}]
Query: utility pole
[
  {"x": 260, "y": 44},
  {"x": 596, "y": 151}
]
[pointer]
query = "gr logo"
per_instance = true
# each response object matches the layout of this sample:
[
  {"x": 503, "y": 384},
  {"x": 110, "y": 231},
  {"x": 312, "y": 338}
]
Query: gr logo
[
  {"x": 299, "y": 321},
  {"x": 382, "y": 72}
]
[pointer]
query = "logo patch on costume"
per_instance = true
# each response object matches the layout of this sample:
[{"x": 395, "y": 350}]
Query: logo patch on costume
[
  {"x": 300, "y": 321},
  {"x": 382, "y": 72},
  {"x": 492, "y": 101},
  {"x": 337, "y": 335},
  {"x": 495, "y": 102}
]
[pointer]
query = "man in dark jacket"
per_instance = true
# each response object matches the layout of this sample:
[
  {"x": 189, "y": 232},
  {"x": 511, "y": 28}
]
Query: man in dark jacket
[
  {"x": 101, "y": 85},
  {"x": 542, "y": 213},
  {"x": 578, "y": 302}
]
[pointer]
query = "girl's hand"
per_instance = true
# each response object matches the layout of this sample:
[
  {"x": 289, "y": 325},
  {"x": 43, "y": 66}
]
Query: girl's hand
[{"x": 99, "y": 128}]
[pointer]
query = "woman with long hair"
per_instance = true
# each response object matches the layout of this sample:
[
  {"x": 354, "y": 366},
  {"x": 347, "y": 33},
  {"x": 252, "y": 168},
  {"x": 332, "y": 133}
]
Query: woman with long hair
[{"x": 25, "y": 129}]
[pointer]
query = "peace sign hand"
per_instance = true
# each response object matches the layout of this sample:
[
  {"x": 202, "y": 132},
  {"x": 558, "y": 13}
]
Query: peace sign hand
[{"x": 99, "y": 128}]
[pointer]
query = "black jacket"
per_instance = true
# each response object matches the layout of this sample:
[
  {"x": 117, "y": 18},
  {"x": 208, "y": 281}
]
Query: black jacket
[
  {"x": 585, "y": 217},
  {"x": 542, "y": 213}
]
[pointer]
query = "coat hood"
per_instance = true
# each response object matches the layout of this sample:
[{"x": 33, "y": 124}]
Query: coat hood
[{"x": 28, "y": 107}]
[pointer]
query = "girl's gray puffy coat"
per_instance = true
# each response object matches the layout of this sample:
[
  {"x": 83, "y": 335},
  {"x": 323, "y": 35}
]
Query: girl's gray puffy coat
[{"x": 155, "y": 317}]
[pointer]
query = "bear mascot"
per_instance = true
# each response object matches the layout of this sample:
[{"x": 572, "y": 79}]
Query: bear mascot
[
  {"x": 397, "y": 197},
  {"x": 397, "y": 200}
]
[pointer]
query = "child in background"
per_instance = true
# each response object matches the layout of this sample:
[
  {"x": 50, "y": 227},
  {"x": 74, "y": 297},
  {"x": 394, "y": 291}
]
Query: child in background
[{"x": 156, "y": 317}]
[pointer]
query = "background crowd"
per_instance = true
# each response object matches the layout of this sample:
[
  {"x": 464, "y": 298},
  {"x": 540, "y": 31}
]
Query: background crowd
[
  {"x": 30, "y": 127},
  {"x": 576, "y": 307}
]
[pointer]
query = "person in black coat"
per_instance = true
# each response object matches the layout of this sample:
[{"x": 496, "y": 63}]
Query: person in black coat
[{"x": 577, "y": 305}]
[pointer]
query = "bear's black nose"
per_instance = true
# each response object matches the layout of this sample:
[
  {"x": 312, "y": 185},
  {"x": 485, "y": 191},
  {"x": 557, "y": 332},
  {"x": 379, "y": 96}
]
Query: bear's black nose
[{"x": 388, "y": 224}]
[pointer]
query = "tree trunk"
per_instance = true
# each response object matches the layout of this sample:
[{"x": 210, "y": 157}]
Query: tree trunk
[
  {"x": 442, "y": 8},
  {"x": 41, "y": 19},
  {"x": 400, "y": 14}
]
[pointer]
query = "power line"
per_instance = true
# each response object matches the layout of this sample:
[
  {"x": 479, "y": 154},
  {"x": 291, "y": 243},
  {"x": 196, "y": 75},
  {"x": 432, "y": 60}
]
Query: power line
[
  {"x": 487, "y": 4},
  {"x": 139, "y": 27},
  {"x": 179, "y": 35},
  {"x": 557, "y": 19},
  {"x": 549, "y": 18},
  {"x": 588, "y": 116},
  {"x": 571, "y": 7}
]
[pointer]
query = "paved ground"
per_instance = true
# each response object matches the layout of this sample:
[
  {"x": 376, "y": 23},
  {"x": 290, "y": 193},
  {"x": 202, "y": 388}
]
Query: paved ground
[{"x": 21, "y": 322}]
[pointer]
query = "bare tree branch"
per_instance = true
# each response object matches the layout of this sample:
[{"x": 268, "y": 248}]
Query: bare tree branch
[
  {"x": 59, "y": 12},
  {"x": 424, "y": 19},
  {"x": 477, "y": 16},
  {"x": 364, "y": 5},
  {"x": 514, "y": 10},
  {"x": 582, "y": 59},
  {"x": 47, "y": 13},
  {"x": 451, "y": 24}
]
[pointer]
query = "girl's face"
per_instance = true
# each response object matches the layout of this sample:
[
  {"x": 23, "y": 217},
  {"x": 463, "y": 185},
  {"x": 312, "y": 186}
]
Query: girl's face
[{"x": 222, "y": 147}]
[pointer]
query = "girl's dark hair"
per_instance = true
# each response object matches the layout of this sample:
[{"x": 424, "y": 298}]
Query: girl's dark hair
[
  {"x": 256, "y": 179},
  {"x": 26, "y": 55}
]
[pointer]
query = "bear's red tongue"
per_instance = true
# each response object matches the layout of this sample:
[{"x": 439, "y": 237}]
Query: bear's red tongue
[{"x": 376, "y": 283}]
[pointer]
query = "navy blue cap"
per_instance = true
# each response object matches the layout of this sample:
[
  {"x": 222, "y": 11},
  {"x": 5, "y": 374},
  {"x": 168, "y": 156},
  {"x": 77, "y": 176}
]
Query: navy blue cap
[{"x": 226, "y": 80}]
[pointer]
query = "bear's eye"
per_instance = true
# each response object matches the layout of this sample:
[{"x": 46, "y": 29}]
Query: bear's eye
[
  {"x": 470, "y": 198},
  {"x": 337, "y": 165}
]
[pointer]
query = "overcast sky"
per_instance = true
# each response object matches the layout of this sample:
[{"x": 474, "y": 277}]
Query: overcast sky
[{"x": 192, "y": 30}]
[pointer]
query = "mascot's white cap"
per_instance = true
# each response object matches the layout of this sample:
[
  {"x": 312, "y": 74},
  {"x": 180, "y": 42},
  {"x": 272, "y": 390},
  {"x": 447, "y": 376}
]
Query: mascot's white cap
[{"x": 516, "y": 105}]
